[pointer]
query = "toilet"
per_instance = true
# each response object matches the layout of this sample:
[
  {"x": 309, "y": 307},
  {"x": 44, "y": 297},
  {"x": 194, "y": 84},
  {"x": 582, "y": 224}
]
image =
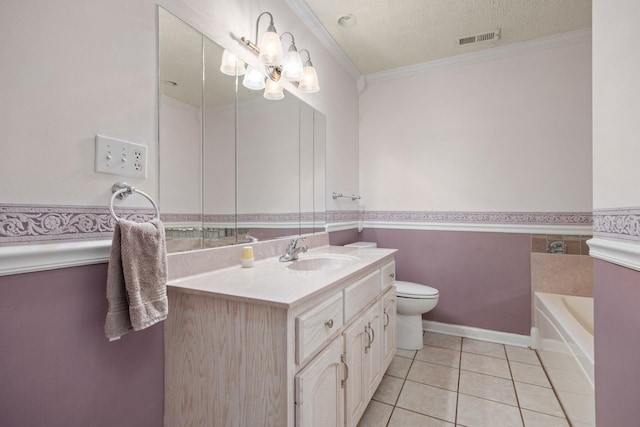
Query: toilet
[{"x": 413, "y": 301}]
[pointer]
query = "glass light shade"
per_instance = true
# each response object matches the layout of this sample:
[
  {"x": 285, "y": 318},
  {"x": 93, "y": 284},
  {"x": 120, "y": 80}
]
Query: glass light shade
[
  {"x": 231, "y": 65},
  {"x": 270, "y": 49},
  {"x": 309, "y": 82},
  {"x": 273, "y": 91},
  {"x": 253, "y": 79},
  {"x": 292, "y": 66}
]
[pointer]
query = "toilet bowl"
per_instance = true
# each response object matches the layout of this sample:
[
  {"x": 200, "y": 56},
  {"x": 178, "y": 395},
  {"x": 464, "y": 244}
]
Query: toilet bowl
[{"x": 413, "y": 301}]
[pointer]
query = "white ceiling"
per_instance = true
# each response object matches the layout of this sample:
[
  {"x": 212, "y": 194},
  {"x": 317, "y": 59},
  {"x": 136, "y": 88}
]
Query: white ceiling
[{"x": 397, "y": 33}]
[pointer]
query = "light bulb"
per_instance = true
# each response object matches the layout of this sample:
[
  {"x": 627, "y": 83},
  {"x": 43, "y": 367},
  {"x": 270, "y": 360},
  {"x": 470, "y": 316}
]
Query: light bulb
[
  {"x": 309, "y": 82},
  {"x": 270, "y": 48},
  {"x": 253, "y": 79},
  {"x": 292, "y": 65},
  {"x": 273, "y": 91},
  {"x": 231, "y": 65}
]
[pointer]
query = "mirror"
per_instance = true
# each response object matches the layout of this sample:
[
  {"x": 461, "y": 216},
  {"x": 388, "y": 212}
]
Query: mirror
[{"x": 233, "y": 166}]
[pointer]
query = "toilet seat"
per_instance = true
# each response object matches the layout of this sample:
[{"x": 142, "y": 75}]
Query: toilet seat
[{"x": 415, "y": 290}]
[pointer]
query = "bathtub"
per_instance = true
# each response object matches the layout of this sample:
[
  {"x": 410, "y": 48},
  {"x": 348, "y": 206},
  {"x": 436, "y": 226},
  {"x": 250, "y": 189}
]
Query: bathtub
[{"x": 564, "y": 328}]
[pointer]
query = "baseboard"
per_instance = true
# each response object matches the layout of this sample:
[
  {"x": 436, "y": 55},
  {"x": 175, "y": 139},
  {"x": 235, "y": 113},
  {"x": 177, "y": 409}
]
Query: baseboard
[{"x": 480, "y": 334}]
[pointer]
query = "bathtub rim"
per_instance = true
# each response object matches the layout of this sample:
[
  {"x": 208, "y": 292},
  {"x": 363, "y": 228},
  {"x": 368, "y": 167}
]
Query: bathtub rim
[{"x": 575, "y": 336}]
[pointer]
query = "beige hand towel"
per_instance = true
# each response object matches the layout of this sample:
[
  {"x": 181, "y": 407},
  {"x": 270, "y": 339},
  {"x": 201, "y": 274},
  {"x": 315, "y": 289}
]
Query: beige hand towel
[{"x": 136, "y": 277}]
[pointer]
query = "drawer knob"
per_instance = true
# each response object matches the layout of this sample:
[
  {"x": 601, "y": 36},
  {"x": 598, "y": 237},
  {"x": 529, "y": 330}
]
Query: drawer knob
[
  {"x": 329, "y": 323},
  {"x": 392, "y": 275}
]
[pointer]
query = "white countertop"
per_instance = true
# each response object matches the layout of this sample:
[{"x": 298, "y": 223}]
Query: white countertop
[{"x": 271, "y": 282}]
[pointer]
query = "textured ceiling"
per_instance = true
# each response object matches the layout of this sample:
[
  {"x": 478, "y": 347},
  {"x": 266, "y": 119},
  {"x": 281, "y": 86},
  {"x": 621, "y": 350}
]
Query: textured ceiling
[{"x": 396, "y": 33}]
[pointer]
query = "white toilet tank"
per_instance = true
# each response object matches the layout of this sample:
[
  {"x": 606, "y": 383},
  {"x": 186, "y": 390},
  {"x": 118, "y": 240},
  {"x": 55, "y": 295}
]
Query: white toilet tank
[{"x": 362, "y": 245}]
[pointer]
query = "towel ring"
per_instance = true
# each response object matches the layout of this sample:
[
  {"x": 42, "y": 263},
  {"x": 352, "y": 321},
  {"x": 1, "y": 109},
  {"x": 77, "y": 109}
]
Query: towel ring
[{"x": 122, "y": 190}]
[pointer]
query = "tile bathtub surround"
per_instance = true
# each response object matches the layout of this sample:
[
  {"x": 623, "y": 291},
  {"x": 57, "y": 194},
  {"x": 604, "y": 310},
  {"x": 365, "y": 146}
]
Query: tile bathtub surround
[
  {"x": 574, "y": 245},
  {"x": 456, "y": 381},
  {"x": 562, "y": 274}
]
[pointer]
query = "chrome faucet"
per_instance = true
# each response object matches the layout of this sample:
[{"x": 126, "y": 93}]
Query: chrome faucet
[{"x": 292, "y": 251}]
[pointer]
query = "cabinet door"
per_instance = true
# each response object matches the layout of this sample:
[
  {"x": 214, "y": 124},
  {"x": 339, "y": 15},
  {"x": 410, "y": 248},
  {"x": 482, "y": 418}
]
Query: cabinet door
[
  {"x": 389, "y": 324},
  {"x": 374, "y": 351},
  {"x": 356, "y": 340},
  {"x": 320, "y": 389}
]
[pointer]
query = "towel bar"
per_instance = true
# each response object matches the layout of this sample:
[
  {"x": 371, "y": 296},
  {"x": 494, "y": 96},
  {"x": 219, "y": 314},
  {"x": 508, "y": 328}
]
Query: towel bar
[
  {"x": 122, "y": 190},
  {"x": 352, "y": 197}
]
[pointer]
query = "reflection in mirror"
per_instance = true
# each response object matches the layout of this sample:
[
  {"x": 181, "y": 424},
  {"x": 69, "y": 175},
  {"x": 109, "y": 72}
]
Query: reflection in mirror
[
  {"x": 233, "y": 166},
  {"x": 268, "y": 166},
  {"x": 180, "y": 128}
]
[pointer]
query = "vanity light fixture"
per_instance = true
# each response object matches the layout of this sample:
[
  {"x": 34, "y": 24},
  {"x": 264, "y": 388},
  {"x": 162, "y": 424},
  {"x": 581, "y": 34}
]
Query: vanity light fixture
[
  {"x": 231, "y": 65},
  {"x": 309, "y": 82},
  {"x": 269, "y": 52}
]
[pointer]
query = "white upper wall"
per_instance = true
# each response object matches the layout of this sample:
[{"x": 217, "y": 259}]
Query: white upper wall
[
  {"x": 616, "y": 104},
  {"x": 76, "y": 69},
  {"x": 508, "y": 134}
]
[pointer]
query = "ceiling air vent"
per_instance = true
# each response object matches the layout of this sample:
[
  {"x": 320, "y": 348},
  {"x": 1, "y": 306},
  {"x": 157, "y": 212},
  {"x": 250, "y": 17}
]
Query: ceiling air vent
[{"x": 493, "y": 35}]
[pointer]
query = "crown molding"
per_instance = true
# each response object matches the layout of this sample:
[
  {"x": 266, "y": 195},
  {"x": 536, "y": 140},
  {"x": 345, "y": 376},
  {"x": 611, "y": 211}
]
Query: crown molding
[
  {"x": 624, "y": 253},
  {"x": 558, "y": 40},
  {"x": 307, "y": 16}
]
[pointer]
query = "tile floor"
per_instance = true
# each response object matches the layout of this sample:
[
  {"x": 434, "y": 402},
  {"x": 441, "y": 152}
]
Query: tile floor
[{"x": 457, "y": 381}]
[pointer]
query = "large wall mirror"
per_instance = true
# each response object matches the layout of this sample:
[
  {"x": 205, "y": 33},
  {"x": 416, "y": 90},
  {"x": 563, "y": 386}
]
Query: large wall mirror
[{"x": 234, "y": 167}]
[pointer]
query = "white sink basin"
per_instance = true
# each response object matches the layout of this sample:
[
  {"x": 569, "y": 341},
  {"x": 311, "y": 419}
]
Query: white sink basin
[{"x": 322, "y": 262}]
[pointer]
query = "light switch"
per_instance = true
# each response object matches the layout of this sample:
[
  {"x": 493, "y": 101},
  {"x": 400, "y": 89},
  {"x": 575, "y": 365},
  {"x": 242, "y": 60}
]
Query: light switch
[{"x": 119, "y": 157}]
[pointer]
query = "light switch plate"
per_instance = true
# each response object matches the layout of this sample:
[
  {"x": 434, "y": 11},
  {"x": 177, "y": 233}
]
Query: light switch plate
[{"x": 119, "y": 157}]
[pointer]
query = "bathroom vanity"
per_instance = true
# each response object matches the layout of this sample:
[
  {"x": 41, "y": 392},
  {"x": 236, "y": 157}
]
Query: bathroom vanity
[{"x": 302, "y": 343}]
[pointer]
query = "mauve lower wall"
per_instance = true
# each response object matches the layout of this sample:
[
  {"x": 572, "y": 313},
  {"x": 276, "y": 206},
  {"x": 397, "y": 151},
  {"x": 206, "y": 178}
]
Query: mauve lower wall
[
  {"x": 343, "y": 237},
  {"x": 484, "y": 279},
  {"x": 56, "y": 366},
  {"x": 617, "y": 344}
]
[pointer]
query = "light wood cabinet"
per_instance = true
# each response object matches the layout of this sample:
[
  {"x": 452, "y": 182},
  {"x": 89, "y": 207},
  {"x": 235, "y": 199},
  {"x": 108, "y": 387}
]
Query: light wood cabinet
[
  {"x": 320, "y": 389},
  {"x": 315, "y": 363}
]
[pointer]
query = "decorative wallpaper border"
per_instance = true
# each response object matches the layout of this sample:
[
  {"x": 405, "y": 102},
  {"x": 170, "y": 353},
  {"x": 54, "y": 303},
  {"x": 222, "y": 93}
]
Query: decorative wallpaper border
[
  {"x": 617, "y": 223},
  {"x": 528, "y": 218},
  {"x": 23, "y": 224},
  {"x": 253, "y": 217},
  {"x": 28, "y": 224}
]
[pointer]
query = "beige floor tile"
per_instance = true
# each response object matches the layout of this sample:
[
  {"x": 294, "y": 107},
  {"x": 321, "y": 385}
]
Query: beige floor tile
[
  {"x": 485, "y": 365},
  {"x": 403, "y": 418},
  {"x": 557, "y": 361},
  {"x": 522, "y": 355},
  {"x": 388, "y": 390},
  {"x": 536, "y": 419},
  {"x": 476, "y": 412},
  {"x": 428, "y": 400},
  {"x": 483, "y": 347},
  {"x": 570, "y": 381},
  {"x": 376, "y": 415},
  {"x": 435, "y": 375},
  {"x": 440, "y": 340},
  {"x": 440, "y": 356},
  {"x": 399, "y": 367},
  {"x": 488, "y": 387},
  {"x": 529, "y": 374},
  {"x": 539, "y": 399},
  {"x": 579, "y": 408},
  {"x": 409, "y": 354}
]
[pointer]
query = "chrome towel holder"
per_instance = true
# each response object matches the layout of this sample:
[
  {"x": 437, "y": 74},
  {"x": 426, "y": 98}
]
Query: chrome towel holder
[
  {"x": 122, "y": 190},
  {"x": 352, "y": 197}
]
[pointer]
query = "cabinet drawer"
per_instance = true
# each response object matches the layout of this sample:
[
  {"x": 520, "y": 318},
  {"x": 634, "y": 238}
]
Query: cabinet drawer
[
  {"x": 361, "y": 294},
  {"x": 388, "y": 275},
  {"x": 315, "y": 326}
]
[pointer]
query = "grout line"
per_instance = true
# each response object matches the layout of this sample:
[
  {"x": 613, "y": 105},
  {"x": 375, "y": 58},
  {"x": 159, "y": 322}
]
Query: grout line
[
  {"x": 555, "y": 393},
  {"x": 515, "y": 391},
  {"x": 459, "y": 376}
]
